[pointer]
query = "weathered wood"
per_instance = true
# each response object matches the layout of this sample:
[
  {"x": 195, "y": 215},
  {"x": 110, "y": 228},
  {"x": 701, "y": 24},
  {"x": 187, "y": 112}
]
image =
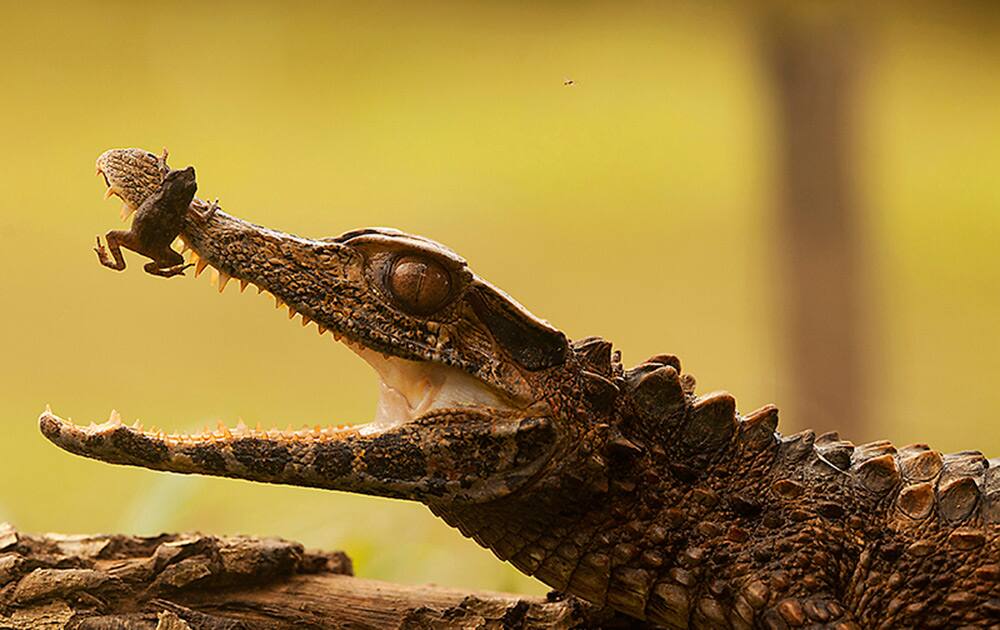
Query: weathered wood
[{"x": 193, "y": 582}]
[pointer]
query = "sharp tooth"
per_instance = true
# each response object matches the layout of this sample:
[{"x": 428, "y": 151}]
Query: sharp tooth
[
  {"x": 48, "y": 409},
  {"x": 260, "y": 290},
  {"x": 137, "y": 425},
  {"x": 115, "y": 419},
  {"x": 243, "y": 285},
  {"x": 126, "y": 212},
  {"x": 107, "y": 193},
  {"x": 200, "y": 266},
  {"x": 241, "y": 427},
  {"x": 291, "y": 312},
  {"x": 277, "y": 302},
  {"x": 194, "y": 257},
  {"x": 320, "y": 328},
  {"x": 223, "y": 281},
  {"x": 305, "y": 321}
]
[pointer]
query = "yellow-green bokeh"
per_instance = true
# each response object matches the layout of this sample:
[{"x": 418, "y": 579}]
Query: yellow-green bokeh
[{"x": 637, "y": 203}]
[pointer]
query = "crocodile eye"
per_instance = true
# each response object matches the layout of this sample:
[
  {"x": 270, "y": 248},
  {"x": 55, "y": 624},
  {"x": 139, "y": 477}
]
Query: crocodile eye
[{"x": 420, "y": 285}]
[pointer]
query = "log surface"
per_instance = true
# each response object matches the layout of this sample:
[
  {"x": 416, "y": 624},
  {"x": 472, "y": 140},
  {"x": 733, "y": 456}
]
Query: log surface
[{"x": 193, "y": 582}]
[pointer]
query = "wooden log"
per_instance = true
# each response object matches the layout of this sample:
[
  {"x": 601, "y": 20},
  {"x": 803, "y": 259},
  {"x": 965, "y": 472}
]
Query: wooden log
[{"x": 195, "y": 582}]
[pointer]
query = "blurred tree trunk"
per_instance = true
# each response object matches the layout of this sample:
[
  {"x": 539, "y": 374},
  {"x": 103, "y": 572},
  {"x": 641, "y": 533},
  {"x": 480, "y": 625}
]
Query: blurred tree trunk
[{"x": 813, "y": 66}]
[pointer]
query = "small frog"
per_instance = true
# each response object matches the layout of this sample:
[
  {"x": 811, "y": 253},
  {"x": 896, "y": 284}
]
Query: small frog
[{"x": 157, "y": 223}]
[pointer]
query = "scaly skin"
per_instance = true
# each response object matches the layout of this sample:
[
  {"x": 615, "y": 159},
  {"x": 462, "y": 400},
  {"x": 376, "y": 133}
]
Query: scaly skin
[{"x": 618, "y": 486}]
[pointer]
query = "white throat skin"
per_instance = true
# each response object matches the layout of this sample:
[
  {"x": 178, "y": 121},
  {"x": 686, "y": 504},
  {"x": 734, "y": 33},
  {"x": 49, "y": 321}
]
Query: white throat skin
[{"x": 411, "y": 389}]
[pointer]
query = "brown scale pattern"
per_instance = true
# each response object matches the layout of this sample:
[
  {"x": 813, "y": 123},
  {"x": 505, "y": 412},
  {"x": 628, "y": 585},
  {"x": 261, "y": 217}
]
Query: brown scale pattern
[{"x": 701, "y": 518}]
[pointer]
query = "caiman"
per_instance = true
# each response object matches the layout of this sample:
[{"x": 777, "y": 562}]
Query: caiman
[{"x": 619, "y": 486}]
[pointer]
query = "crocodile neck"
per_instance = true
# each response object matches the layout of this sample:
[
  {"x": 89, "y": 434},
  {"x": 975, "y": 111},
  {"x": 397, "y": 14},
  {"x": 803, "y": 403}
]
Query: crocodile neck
[{"x": 705, "y": 542}]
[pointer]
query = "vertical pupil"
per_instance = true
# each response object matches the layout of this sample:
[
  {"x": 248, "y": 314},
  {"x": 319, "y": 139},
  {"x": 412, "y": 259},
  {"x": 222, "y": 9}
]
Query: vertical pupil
[{"x": 421, "y": 286}]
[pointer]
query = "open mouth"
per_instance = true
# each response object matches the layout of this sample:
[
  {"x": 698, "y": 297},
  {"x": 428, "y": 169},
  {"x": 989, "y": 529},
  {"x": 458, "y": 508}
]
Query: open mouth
[
  {"x": 426, "y": 381},
  {"x": 408, "y": 391}
]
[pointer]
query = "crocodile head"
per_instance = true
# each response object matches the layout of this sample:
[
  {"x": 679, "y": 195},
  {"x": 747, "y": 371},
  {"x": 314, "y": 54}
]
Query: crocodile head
[{"x": 466, "y": 409}]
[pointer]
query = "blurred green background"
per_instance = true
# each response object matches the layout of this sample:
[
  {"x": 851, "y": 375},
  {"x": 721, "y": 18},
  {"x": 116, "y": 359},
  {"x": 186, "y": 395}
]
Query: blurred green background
[{"x": 638, "y": 203}]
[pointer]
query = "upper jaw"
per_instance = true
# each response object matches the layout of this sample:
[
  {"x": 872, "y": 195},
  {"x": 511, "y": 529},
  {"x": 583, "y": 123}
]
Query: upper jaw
[
  {"x": 426, "y": 364},
  {"x": 340, "y": 284},
  {"x": 329, "y": 283},
  {"x": 324, "y": 283}
]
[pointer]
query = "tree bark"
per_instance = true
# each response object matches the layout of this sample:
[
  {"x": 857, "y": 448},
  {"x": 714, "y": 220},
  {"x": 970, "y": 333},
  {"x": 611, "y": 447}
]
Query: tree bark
[{"x": 194, "y": 582}]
